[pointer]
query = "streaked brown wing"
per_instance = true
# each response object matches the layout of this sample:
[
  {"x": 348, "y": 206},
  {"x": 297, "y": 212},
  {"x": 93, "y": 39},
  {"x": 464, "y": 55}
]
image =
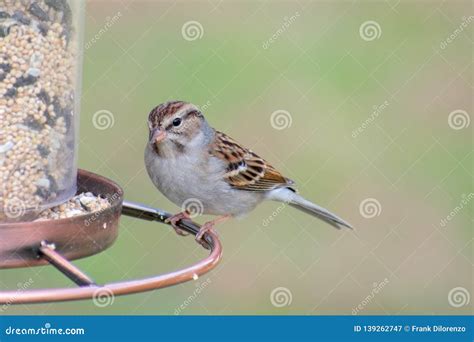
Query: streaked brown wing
[{"x": 246, "y": 170}]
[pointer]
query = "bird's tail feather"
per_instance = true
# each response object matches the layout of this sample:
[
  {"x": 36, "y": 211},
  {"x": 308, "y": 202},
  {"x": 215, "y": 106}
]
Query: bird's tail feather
[{"x": 300, "y": 203}]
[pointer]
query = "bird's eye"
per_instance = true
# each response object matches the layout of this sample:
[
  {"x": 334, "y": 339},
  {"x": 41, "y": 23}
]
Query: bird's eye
[{"x": 177, "y": 122}]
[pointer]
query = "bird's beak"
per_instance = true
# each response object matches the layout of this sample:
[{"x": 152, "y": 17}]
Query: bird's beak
[{"x": 158, "y": 136}]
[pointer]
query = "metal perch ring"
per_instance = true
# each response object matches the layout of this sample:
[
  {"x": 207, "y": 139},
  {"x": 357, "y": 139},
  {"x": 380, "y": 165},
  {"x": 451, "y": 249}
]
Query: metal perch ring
[{"x": 26, "y": 244}]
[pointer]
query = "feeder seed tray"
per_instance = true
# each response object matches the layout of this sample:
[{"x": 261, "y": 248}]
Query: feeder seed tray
[{"x": 57, "y": 242}]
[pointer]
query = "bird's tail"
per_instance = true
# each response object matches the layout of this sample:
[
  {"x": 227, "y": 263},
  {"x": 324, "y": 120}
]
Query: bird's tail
[{"x": 295, "y": 200}]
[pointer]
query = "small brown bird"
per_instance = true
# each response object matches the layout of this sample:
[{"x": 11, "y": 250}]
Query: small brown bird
[{"x": 189, "y": 161}]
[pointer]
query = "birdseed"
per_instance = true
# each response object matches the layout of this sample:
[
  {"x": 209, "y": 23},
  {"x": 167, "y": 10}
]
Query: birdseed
[
  {"x": 81, "y": 204},
  {"x": 38, "y": 77}
]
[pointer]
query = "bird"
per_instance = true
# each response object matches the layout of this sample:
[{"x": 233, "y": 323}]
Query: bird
[{"x": 190, "y": 162}]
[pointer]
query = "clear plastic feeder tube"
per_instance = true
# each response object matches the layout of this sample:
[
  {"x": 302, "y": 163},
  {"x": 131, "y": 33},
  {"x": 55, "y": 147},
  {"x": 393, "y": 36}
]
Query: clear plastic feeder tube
[{"x": 40, "y": 82}]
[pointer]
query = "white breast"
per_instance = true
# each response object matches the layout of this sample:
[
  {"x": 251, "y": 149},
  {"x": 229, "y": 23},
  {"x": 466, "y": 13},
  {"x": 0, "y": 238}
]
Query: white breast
[{"x": 197, "y": 176}]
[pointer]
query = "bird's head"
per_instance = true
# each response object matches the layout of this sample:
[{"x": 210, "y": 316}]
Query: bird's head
[{"x": 175, "y": 126}]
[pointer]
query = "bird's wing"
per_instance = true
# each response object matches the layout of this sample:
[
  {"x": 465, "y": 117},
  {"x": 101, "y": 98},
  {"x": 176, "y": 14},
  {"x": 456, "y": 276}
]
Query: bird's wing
[{"x": 246, "y": 170}]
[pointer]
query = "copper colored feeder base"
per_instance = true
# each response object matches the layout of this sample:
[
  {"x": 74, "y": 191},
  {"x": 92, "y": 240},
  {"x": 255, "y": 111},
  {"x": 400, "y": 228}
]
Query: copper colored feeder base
[
  {"x": 56, "y": 242},
  {"x": 74, "y": 238}
]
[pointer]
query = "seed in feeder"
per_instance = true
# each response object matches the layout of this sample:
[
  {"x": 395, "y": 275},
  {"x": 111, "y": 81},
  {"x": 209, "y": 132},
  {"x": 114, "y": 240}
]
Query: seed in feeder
[
  {"x": 86, "y": 202},
  {"x": 53, "y": 184},
  {"x": 43, "y": 28},
  {"x": 11, "y": 92},
  {"x": 43, "y": 150},
  {"x": 25, "y": 81},
  {"x": 20, "y": 17},
  {"x": 36, "y": 59},
  {"x": 74, "y": 208},
  {"x": 33, "y": 124},
  {"x": 6, "y": 147},
  {"x": 43, "y": 183},
  {"x": 73, "y": 212},
  {"x": 67, "y": 14},
  {"x": 50, "y": 120},
  {"x": 58, "y": 5},
  {"x": 36, "y": 68},
  {"x": 43, "y": 193},
  {"x": 5, "y": 67},
  {"x": 5, "y": 28},
  {"x": 43, "y": 96},
  {"x": 35, "y": 72},
  {"x": 65, "y": 113},
  {"x": 38, "y": 12}
]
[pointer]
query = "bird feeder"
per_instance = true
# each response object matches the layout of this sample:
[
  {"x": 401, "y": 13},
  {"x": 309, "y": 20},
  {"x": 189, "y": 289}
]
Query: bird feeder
[{"x": 40, "y": 82}]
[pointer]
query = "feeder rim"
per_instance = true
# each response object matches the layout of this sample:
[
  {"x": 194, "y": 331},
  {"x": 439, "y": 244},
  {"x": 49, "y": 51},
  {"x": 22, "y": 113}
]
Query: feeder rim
[{"x": 89, "y": 290}]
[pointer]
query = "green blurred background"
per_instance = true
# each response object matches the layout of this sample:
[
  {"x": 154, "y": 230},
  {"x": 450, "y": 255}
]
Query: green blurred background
[{"x": 319, "y": 69}]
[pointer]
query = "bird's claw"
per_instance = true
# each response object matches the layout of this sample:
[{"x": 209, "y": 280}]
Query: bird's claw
[
  {"x": 174, "y": 220},
  {"x": 206, "y": 227}
]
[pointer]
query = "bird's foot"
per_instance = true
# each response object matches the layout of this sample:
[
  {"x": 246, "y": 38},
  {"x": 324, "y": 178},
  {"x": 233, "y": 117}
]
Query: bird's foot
[
  {"x": 206, "y": 227},
  {"x": 174, "y": 220},
  {"x": 209, "y": 227}
]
